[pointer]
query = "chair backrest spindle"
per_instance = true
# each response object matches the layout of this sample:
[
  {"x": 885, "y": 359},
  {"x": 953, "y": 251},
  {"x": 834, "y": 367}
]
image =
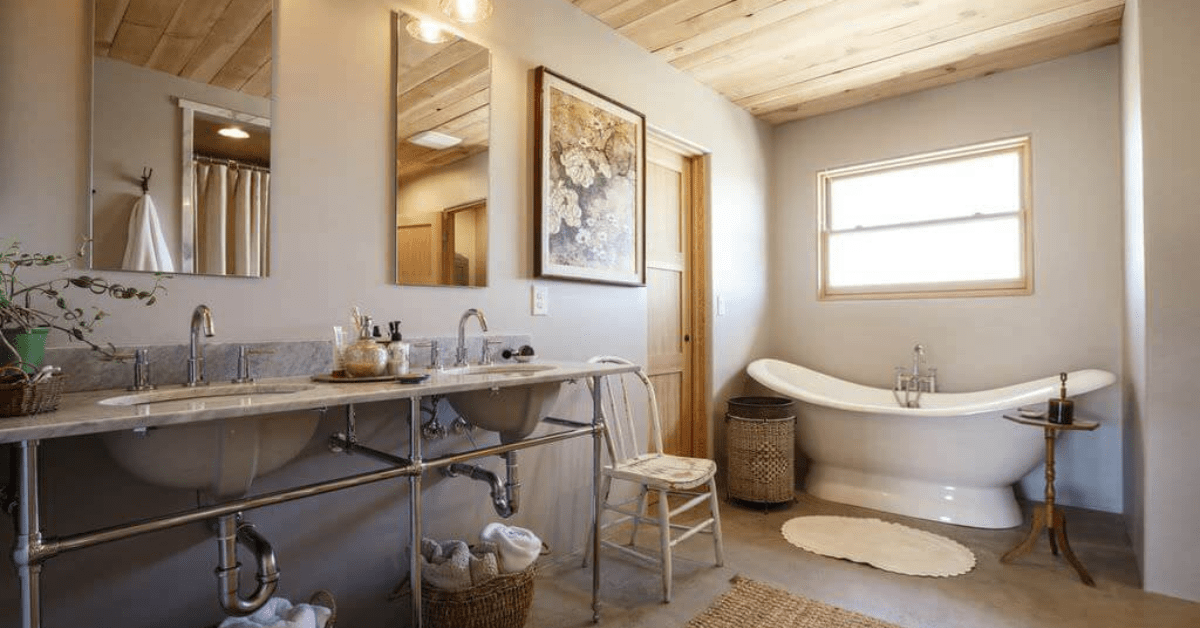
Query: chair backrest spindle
[{"x": 622, "y": 432}]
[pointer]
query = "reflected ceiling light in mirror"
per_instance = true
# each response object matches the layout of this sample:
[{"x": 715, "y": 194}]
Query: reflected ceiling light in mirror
[
  {"x": 233, "y": 132},
  {"x": 466, "y": 11},
  {"x": 434, "y": 140},
  {"x": 428, "y": 31}
]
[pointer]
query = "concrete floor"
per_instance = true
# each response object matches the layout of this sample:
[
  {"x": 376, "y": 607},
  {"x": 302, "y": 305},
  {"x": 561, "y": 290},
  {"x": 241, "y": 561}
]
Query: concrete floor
[{"x": 1038, "y": 590}]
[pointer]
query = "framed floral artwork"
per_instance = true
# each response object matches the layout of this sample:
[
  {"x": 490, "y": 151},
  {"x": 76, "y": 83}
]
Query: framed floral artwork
[{"x": 590, "y": 212}]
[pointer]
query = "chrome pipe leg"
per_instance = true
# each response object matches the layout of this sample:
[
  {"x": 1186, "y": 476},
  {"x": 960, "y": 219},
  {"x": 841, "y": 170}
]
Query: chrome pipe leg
[
  {"x": 597, "y": 506},
  {"x": 414, "y": 508},
  {"x": 28, "y": 534}
]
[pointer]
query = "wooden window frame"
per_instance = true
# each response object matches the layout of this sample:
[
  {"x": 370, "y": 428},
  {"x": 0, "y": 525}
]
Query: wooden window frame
[{"x": 1021, "y": 286}]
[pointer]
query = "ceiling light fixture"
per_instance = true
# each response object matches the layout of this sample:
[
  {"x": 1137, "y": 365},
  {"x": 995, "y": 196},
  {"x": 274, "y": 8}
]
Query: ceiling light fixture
[
  {"x": 434, "y": 140},
  {"x": 428, "y": 31},
  {"x": 466, "y": 11},
  {"x": 233, "y": 132}
]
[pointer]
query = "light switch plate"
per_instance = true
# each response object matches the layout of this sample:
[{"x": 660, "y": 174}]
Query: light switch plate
[
  {"x": 721, "y": 305},
  {"x": 540, "y": 303}
]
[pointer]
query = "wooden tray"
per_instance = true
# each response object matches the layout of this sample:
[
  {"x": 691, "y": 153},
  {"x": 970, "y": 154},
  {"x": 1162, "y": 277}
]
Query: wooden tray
[{"x": 408, "y": 378}]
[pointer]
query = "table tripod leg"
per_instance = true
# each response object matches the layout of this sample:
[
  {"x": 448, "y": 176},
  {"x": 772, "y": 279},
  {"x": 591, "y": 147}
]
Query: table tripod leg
[
  {"x": 1060, "y": 527},
  {"x": 1053, "y": 544},
  {"x": 1035, "y": 530}
]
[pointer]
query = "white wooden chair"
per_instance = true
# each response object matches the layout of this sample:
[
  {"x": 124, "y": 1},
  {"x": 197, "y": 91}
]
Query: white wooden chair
[{"x": 651, "y": 470}]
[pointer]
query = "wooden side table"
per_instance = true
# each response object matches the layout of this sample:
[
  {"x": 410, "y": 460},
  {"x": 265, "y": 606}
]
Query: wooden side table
[{"x": 1049, "y": 518}]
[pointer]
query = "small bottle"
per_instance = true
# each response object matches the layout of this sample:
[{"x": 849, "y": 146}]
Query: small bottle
[{"x": 397, "y": 351}]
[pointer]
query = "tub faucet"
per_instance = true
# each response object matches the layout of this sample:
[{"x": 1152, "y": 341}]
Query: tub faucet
[
  {"x": 460, "y": 354},
  {"x": 201, "y": 321},
  {"x": 913, "y": 383}
]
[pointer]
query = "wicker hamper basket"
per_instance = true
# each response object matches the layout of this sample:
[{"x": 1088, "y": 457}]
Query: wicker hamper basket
[
  {"x": 502, "y": 602},
  {"x": 760, "y": 435}
]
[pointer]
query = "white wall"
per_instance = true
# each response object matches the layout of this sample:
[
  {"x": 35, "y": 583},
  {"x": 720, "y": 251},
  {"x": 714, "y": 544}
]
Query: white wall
[
  {"x": 333, "y": 198},
  {"x": 1164, "y": 312},
  {"x": 1072, "y": 320},
  {"x": 137, "y": 123}
]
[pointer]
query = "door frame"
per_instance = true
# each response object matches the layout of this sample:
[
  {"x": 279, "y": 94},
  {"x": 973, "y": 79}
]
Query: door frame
[{"x": 698, "y": 255}]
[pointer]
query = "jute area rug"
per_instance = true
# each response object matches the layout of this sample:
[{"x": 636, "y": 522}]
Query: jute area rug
[{"x": 751, "y": 604}]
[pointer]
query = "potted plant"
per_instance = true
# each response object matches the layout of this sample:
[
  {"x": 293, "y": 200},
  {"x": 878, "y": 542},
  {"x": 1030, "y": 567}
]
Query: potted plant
[{"x": 29, "y": 311}]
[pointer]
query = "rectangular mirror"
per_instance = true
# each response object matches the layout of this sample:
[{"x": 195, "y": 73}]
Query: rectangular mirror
[
  {"x": 181, "y": 136},
  {"x": 443, "y": 129}
]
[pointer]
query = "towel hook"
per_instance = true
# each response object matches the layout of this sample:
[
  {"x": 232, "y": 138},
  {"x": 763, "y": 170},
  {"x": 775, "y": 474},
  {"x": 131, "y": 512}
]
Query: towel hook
[{"x": 146, "y": 174}]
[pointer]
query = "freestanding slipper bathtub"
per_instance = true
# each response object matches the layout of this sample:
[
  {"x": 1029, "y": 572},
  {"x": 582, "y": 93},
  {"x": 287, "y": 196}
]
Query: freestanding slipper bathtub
[{"x": 954, "y": 459}]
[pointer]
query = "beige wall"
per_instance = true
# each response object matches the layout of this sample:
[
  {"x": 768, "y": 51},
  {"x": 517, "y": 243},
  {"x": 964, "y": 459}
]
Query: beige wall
[
  {"x": 334, "y": 202},
  {"x": 1134, "y": 345},
  {"x": 423, "y": 199},
  {"x": 1072, "y": 320},
  {"x": 1164, "y": 312},
  {"x": 137, "y": 123}
]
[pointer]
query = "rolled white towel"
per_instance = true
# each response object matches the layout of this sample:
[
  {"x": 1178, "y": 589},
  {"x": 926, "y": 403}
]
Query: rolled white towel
[
  {"x": 280, "y": 613},
  {"x": 517, "y": 547}
]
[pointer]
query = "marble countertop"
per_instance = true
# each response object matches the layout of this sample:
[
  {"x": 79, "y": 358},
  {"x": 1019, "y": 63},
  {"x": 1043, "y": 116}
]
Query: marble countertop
[{"x": 82, "y": 413}]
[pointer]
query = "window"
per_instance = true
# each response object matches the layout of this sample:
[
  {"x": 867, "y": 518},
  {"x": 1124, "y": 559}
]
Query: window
[{"x": 945, "y": 224}]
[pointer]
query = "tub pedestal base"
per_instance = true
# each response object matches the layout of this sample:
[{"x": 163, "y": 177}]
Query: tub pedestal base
[{"x": 977, "y": 507}]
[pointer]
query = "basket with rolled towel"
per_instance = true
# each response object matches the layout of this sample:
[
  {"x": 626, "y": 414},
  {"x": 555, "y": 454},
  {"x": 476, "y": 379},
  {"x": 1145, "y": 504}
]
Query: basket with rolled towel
[{"x": 487, "y": 585}]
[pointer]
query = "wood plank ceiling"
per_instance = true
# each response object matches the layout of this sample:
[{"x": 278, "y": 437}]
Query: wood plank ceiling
[
  {"x": 784, "y": 60},
  {"x": 444, "y": 88},
  {"x": 226, "y": 43}
]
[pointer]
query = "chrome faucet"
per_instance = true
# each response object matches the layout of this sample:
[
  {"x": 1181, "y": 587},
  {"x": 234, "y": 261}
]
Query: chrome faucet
[
  {"x": 460, "y": 354},
  {"x": 201, "y": 320},
  {"x": 913, "y": 383}
]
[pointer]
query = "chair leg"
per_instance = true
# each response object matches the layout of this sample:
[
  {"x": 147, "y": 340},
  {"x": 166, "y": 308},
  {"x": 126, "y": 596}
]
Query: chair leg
[
  {"x": 718, "y": 544},
  {"x": 605, "y": 485},
  {"x": 641, "y": 511},
  {"x": 664, "y": 536}
]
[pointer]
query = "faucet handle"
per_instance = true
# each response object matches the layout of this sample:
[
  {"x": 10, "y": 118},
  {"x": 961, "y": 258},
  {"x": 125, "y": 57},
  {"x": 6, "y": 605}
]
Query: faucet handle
[
  {"x": 488, "y": 343},
  {"x": 141, "y": 370},
  {"x": 434, "y": 357},
  {"x": 243, "y": 363}
]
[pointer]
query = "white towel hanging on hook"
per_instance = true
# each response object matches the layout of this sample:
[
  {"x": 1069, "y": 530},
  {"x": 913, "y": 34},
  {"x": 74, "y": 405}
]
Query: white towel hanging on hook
[{"x": 145, "y": 246}]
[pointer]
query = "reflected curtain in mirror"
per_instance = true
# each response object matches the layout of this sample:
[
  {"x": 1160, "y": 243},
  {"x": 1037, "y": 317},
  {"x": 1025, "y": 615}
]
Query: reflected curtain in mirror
[{"x": 443, "y": 129}]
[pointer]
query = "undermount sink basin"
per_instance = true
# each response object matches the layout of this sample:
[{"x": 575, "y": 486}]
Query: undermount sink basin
[
  {"x": 499, "y": 369},
  {"x": 513, "y": 411},
  {"x": 207, "y": 393},
  {"x": 221, "y": 457}
]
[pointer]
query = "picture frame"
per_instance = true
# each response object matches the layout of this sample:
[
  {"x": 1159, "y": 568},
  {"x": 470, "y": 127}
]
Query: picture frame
[{"x": 589, "y": 185}]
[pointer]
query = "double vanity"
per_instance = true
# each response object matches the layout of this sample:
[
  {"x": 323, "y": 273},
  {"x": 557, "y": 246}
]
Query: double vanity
[{"x": 218, "y": 438}]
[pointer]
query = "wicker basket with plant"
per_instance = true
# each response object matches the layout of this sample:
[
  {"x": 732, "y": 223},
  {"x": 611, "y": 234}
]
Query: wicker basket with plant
[{"x": 29, "y": 311}]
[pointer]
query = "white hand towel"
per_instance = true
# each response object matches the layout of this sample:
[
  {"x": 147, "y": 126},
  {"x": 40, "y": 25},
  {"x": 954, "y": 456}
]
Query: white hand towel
[
  {"x": 280, "y": 613},
  {"x": 145, "y": 246},
  {"x": 518, "y": 547}
]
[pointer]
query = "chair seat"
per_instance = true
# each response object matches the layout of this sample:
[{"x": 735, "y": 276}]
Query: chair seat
[{"x": 664, "y": 471}]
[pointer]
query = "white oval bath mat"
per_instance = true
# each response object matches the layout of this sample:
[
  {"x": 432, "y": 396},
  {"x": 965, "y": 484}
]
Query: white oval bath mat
[{"x": 887, "y": 546}]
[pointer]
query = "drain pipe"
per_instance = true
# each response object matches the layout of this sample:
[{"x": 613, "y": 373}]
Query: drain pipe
[
  {"x": 506, "y": 496},
  {"x": 230, "y": 532}
]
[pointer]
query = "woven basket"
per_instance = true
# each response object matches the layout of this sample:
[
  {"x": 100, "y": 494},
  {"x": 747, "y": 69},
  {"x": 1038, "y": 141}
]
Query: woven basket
[
  {"x": 760, "y": 435},
  {"x": 20, "y": 397},
  {"x": 502, "y": 602}
]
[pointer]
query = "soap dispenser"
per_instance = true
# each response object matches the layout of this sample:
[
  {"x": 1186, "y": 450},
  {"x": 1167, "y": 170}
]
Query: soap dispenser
[
  {"x": 397, "y": 351},
  {"x": 366, "y": 357}
]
